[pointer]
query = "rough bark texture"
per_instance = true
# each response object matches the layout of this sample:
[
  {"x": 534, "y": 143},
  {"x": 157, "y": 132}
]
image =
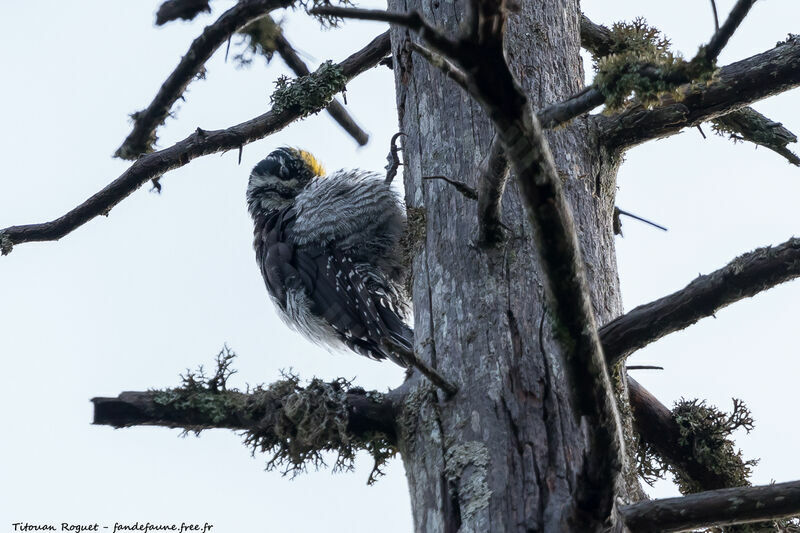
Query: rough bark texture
[{"x": 503, "y": 454}]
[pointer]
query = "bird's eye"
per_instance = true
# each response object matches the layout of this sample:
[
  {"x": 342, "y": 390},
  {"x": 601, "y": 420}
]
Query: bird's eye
[{"x": 274, "y": 166}]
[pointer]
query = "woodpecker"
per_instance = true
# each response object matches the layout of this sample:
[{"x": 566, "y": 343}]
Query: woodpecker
[{"x": 328, "y": 249}]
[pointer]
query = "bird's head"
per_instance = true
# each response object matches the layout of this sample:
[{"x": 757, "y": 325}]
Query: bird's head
[{"x": 277, "y": 179}]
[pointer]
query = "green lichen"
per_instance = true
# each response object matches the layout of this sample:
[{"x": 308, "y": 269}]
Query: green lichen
[
  {"x": 747, "y": 124},
  {"x": 705, "y": 433},
  {"x": 636, "y": 36},
  {"x": 259, "y": 39},
  {"x": 641, "y": 67},
  {"x": 418, "y": 417},
  {"x": 309, "y": 94},
  {"x": 202, "y": 396},
  {"x": 630, "y": 470},
  {"x": 466, "y": 469},
  {"x": 296, "y": 425},
  {"x": 412, "y": 241},
  {"x": 5, "y": 244},
  {"x": 313, "y": 420}
]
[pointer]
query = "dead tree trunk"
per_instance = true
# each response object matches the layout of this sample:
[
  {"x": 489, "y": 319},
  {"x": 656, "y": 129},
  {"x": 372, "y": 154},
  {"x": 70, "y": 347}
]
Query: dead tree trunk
[
  {"x": 527, "y": 437},
  {"x": 503, "y": 454}
]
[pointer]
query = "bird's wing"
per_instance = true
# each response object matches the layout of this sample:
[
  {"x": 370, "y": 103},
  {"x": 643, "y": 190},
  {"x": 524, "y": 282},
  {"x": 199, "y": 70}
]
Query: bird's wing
[
  {"x": 358, "y": 312},
  {"x": 348, "y": 208}
]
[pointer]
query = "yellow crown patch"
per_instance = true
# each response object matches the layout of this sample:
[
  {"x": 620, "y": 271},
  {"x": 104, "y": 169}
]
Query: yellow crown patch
[{"x": 314, "y": 165}]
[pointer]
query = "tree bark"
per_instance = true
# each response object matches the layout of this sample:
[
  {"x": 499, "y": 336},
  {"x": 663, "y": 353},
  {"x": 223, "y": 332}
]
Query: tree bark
[{"x": 503, "y": 454}]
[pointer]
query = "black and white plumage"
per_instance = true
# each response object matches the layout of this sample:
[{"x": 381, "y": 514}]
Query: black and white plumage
[{"x": 327, "y": 247}]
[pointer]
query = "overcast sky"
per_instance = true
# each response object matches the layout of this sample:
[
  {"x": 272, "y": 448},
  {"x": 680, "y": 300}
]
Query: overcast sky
[{"x": 130, "y": 301}]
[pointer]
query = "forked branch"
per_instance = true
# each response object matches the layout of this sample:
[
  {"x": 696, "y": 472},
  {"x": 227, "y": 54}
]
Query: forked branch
[
  {"x": 334, "y": 109},
  {"x": 600, "y": 39},
  {"x": 726, "y": 31},
  {"x": 197, "y": 144},
  {"x": 734, "y": 86},
  {"x": 745, "y": 124},
  {"x": 141, "y": 139}
]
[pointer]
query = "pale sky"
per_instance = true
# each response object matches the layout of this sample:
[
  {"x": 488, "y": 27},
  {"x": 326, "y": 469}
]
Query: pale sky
[{"x": 130, "y": 301}]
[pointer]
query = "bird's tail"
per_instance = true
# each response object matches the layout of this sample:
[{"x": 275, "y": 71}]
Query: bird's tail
[{"x": 399, "y": 338}]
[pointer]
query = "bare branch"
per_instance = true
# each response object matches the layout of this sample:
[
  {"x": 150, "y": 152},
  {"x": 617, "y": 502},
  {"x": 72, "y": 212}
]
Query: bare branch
[
  {"x": 574, "y": 325},
  {"x": 180, "y": 9},
  {"x": 714, "y": 508},
  {"x": 618, "y": 211},
  {"x": 467, "y": 191},
  {"x": 562, "y": 112},
  {"x": 145, "y": 122},
  {"x": 393, "y": 159},
  {"x": 550, "y": 117},
  {"x": 716, "y": 16},
  {"x": 198, "y": 144},
  {"x": 745, "y": 276},
  {"x": 723, "y": 35},
  {"x": 491, "y": 185},
  {"x": 733, "y": 87},
  {"x": 596, "y": 38},
  {"x": 449, "y": 69},
  {"x": 412, "y": 20},
  {"x": 335, "y": 109}
]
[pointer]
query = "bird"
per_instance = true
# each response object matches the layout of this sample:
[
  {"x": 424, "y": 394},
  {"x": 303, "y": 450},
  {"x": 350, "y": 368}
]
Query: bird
[{"x": 328, "y": 247}]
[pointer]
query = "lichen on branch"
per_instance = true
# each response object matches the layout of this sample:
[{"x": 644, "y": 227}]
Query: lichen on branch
[
  {"x": 295, "y": 425},
  {"x": 640, "y": 66},
  {"x": 309, "y": 421},
  {"x": 6, "y": 244},
  {"x": 747, "y": 124},
  {"x": 259, "y": 38},
  {"x": 309, "y": 94},
  {"x": 705, "y": 435}
]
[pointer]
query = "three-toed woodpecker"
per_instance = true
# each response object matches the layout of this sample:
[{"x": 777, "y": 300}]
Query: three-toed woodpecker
[{"x": 327, "y": 246}]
